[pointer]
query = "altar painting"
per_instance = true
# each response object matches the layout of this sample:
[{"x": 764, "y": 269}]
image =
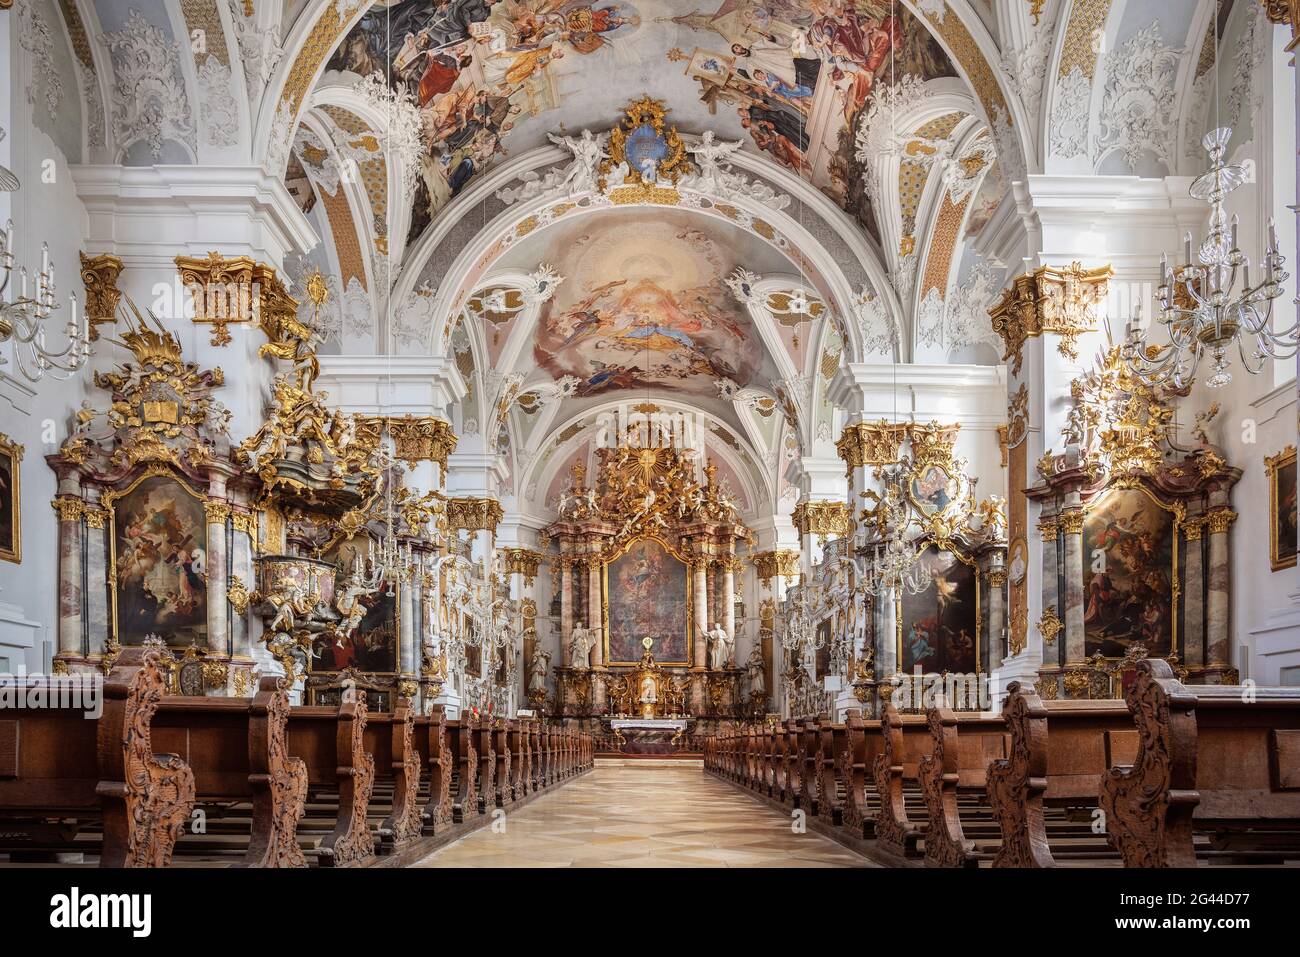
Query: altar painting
[
  {"x": 939, "y": 626},
  {"x": 372, "y": 647},
  {"x": 1130, "y": 559},
  {"x": 648, "y": 594},
  {"x": 160, "y": 538}
]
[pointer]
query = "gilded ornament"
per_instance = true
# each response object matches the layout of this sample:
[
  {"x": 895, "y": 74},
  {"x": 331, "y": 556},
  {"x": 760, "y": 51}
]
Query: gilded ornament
[
  {"x": 99, "y": 276},
  {"x": 870, "y": 443},
  {"x": 1219, "y": 520},
  {"x": 1050, "y": 625},
  {"x": 1059, "y": 300},
  {"x": 233, "y": 291}
]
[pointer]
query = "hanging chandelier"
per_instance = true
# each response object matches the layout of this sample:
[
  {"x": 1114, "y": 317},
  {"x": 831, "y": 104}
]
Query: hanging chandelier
[
  {"x": 1201, "y": 305},
  {"x": 893, "y": 563},
  {"x": 22, "y": 320},
  {"x": 799, "y": 631}
]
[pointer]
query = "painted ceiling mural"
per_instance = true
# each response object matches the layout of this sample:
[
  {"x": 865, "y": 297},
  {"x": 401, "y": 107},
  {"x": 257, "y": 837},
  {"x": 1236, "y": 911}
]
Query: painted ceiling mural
[
  {"x": 644, "y": 304},
  {"x": 789, "y": 77}
]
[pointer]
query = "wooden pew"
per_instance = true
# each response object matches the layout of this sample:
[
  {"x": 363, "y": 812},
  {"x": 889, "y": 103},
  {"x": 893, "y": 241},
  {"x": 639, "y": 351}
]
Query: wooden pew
[
  {"x": 505, "y": 762},
  {"x": 438, "y": 754},
  {"x": 905, "y": 739},
  {"x": 962, "y": 745},
  {"x": 331, "y": 742},
  {"x": 862, "y": 742},
  {"x": 465, "y": 803},
  {"x": 1059, "y": 752},
  {"x": 793, "y": 765},
  {"x": 484, "y": 741},
  {"x": 390, "y": 742},
  {"x": 520, "y": 755},
  {"x": 830, "y": 801},
  {"x": 57, "y": 763},
  {"x": 239, "y": 751},
  {"x": 1209, "y": 759}
]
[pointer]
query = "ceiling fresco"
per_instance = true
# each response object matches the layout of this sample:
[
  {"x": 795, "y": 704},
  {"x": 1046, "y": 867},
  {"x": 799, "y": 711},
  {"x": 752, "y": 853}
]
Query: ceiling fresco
[
  {"x": 789, "y": 77},
  {"x": 644, "y": 304}
]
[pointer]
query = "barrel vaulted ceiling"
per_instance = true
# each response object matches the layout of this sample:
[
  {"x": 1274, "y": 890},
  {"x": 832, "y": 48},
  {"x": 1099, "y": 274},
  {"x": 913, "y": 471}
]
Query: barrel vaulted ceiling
[{"x": 893, "y": 133}]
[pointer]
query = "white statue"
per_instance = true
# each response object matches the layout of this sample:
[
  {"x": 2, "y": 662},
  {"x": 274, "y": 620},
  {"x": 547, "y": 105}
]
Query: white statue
[
  {"x": 754, "y": 670},
  {"x": 721, "y": 648},
  {"x": 537, "y": 670},
  {"x": 588, "y": 151},
  {"x": 581, "y": 641},
  {"x": 649, "y": 691},
  {"x": 710, "y": 154},
  {"x": 715, "y": 176}
]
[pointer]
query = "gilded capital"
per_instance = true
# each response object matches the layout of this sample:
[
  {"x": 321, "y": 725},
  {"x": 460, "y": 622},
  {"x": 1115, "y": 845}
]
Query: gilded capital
[
  {"x": 1072, "y": 521},
  {"x": 99, "y": 276},
  {"x": 825, "y": 518},
  {"x": 870, "y": 443},
  {"x": 1219, "y": 520},
  {"x": 1060, "y": 300},
  {"x": 233, "y": 290},
  {"x": 770, "y": 564},
  {"x": 474, "y": 514},
  {"x": 524, "y": 561}
]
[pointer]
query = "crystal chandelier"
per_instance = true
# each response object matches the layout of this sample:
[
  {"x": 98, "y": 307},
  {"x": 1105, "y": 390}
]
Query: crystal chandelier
[
  {"x": 1202, "y": 306},
  {"x": 22, "y": 320},
  {"x": 892, "y": 564},
  {"x": 799, "y": 632}
]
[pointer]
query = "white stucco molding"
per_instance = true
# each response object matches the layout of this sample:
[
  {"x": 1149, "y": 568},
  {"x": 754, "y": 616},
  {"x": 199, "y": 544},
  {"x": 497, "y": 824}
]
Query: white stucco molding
[{"x": 152, "y": 214}]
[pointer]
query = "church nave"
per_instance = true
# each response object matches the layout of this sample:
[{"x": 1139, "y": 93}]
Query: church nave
[{"x": 645, "y": 814}]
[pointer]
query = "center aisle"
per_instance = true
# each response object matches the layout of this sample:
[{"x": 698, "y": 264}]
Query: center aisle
[{"x": 633, "y": 815}]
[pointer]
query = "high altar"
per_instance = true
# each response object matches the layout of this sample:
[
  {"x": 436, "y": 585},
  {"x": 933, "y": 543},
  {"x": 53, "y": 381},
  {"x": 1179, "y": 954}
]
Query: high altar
[{"x": 647, "y": 590}]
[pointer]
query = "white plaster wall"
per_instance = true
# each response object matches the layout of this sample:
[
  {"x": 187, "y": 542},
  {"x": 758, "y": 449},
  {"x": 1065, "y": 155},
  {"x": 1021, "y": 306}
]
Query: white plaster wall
[{"x": 42, "y": 211}]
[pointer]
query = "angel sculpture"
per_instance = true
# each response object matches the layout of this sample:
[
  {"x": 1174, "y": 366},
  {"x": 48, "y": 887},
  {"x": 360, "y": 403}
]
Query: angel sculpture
[{"x": 588, "y": 151}]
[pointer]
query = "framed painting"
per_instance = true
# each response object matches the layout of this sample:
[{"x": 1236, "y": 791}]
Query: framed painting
[
  {"x": 11, "y": 522},
  {"x": 158, "y": 552},
  {"x": 372, "y": 647},
  {"x": 333, "y": 697},
  {"x": 1281, "y": 471},
  {"x": 1130, "y": 564},
  {"x": 647, "y": 593},
  {"x": 473, "y": 653},
  {"x": 710, "y": 67},
  {"x": 939, "y": 627},
  {"x": 932, "y": 489},
  {"x": 824, "y": 652}
]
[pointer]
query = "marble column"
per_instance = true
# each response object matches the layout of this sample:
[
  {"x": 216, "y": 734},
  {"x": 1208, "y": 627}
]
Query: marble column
[
  {"x": 700, "y": 597},
  {"x": 1049, "y": 531},
  {"x": 566, "y": 607},
  {"x": 995, "y": 616},
  {"x": 595, "y": 611},
  {"x": 217, "y": 512},
  {"x": 1072, "y": 614},
  {"x": 70, "y": 597},
  {"x": 1192, "y": 652},
  {"x": 728, "y": 596},
  {"x": 1218, "y": 651}
]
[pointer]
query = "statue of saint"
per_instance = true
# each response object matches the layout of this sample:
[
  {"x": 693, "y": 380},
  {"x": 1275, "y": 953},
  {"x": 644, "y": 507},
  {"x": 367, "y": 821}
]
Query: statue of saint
[
  {"x": 581, "y": 641},
  {"x": 754, "y": 670},
  {"x": 537, "y": 670},
  {"x": 721, "y": 648}
]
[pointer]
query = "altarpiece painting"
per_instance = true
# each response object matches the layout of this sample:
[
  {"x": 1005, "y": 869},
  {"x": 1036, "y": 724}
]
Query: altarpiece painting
[
  {"x": 938, "y": 628},
  {"x": 1130, "y": 563},
  {"x": 648, "y": 594},
  {"x": 159, "y": 543}
]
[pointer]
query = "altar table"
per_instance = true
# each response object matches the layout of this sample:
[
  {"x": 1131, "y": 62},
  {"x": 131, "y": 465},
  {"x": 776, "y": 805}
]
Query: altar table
[{"x": 648, "y": 735}]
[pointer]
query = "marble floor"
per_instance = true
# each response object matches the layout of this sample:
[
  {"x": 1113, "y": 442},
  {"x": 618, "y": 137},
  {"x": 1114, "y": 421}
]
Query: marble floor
[{"x": 631, "y": 815}]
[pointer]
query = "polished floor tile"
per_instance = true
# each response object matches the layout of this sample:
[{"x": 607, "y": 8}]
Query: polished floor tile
[{"x": 654, "y": 816}]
